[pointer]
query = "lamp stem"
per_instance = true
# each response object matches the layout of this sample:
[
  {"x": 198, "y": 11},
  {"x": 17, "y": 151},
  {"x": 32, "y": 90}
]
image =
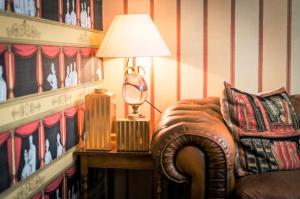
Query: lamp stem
[{"x": 134, "y": 65}]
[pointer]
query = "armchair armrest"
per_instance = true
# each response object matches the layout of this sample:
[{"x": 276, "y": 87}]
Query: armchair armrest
[{"x": 199, "y": 124}]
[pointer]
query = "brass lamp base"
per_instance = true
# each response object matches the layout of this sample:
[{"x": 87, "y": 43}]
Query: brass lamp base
[{"x": 135, "y": 114}]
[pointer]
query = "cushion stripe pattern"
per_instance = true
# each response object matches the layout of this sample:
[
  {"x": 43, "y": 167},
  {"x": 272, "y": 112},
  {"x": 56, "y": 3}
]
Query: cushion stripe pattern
[{"x": 266, "y": 130}]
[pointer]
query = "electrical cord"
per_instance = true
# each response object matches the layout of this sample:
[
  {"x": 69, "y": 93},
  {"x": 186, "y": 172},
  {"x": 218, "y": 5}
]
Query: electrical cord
[{"x": 153, "y": 106}]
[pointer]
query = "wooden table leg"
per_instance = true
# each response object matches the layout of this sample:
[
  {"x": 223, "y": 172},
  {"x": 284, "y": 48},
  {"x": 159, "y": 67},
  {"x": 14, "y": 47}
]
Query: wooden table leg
[
  {"x": 84, "y": 176},
  {"x": 157, "y": 178}
]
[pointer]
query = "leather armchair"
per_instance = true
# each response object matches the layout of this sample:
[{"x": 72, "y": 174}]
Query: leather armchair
[{"x": 192, "y": 144}]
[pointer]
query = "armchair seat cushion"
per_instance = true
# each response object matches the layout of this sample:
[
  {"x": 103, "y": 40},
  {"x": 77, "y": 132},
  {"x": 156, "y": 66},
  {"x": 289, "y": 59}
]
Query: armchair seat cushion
[{"x": 274, "y": 185}]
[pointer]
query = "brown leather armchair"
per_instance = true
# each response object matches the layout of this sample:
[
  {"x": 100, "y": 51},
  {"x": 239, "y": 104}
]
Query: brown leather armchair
[{"x": 192, "y": 144}]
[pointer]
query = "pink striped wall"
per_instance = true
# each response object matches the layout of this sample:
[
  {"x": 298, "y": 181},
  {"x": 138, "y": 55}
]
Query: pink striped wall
[{"x": 254, "y": 45}]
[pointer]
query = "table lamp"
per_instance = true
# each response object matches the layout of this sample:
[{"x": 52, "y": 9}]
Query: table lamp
[{"x": 132, "y": 36}]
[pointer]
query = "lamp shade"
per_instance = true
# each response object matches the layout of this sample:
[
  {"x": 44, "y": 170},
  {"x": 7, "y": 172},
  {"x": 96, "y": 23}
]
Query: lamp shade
[{"x": 133, "y": 35}]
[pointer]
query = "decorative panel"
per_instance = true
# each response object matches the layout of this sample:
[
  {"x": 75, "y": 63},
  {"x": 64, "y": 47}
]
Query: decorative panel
[{"x": 22, "y": 29}]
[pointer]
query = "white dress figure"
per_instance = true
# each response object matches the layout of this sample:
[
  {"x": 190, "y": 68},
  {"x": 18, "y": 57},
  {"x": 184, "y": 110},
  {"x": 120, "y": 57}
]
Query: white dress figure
[
  {"x": 73, "y": 193},
  {"x": 81, "y": 16},
  {"x": 52, "y": 79},
  {"x": 59, "y": 147},
  {"x": 69, "y": 194},
  {"x": 48, "y": 156},
  {"x": 84, "y": 14},
  {"x": 3, "y": 89},
  {"x": 68, "y": 16},
  {"x": 71, "y": 75},
  {"x": 32, "y": 8},
  {"x": 26, "y": 7},
  {"x": 32, "y": 154},
  {"x": 17, "y": 6},
  {"x": 89, "y": 25},
  {"x": 2, "y": 5},
  {"x": 26, "y": 171},
  {"x": 99, "y": 73},
  {"x": 67, "y": 80},
  {"x": 73, "y": 14},
  {"x": 75, "y": 77},
  {"x": 57, "y": 194}
]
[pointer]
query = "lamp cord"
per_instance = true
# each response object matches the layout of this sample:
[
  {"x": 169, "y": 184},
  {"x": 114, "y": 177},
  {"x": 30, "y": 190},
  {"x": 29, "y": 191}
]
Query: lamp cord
[{"x": 153, "y": 106}]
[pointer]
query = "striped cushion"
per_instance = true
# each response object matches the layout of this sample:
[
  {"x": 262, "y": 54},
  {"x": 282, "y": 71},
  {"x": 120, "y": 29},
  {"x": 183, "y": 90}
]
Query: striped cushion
[{"x": 266, "y": 130}]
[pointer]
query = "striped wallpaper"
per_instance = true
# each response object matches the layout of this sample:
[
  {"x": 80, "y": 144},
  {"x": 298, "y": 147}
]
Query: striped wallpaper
[{"x": 254, "y": 44}]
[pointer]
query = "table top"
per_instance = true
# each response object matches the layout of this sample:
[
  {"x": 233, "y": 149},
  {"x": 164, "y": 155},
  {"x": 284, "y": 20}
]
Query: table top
[
  {"x": 114, "y": 159},
  {"x": 81, "y": 151}
]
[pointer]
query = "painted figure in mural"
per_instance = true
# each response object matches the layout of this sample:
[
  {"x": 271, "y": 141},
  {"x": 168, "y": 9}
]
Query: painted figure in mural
[
  {"x": 73, "y": 193},
  {"x": 32, "y": 154},
  {"x": 17, "y": 6},
  {"x": 52, "y": 79},
  {"x": 73, "y": 14},
  {"x": 26, "y": 7},
  {"x": 59, "y": 147},
  {"x": 71, "y": 75},
  {"x": 89, "y": 24},
  {"x": 48, "y": 156},
  {"x": 57, "y": 194},
  {"x": 74, "y": 75},
  {"x": 85, "y": 19},
  {"x": 32, "y": 9},
  {"x": 68, "y": 16},
  {"x": 82, "y": 21},
  {"x": 84, "y": 14},
  {"x": 3, "y": 89},
  {"x": 26, "y": 171},
  {"x": 99, "y": 73},
  {"x": 67, "y": 80},
  {"x": 2, "y": 5}
]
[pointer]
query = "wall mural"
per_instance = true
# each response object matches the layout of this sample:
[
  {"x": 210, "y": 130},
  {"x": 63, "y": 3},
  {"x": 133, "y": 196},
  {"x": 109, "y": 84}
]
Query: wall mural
[
  {"x": 34, "y": 61},
  {"x": 36, "y": 69},
  {"x": 83, "y": 13},
  {"x": 65, "y": 186},
  {"x": 39, "y": 143}
]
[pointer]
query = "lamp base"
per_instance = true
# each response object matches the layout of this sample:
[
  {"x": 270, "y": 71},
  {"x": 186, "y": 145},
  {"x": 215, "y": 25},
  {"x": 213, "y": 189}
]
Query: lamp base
[{"x": 135, "y": 116}]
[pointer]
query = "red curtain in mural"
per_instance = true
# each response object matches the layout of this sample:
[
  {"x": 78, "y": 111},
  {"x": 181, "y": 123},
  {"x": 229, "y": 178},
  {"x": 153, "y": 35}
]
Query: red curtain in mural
[
  {"x": 70, "y": 113},
  {"x": 81, "y": 109},
  {"x": 10, "y": 71},
  {"x": 21, "y": 132},
  {"x": 84, "y": 71},
  {"x": 37, "y": 196},
  {"x": 51, "y": 121},
  {"x": 26, "y": 51},
  {"x": 85, "y": 52},
  {"x": 70, "y": 51},
  {"x": 50, "y": 51},
  {"x": 71, "y": 171},
  {"x": 5, "y": 137},
  {"x": 52, "y": 187},
  {"x": 3, "y": 49}
]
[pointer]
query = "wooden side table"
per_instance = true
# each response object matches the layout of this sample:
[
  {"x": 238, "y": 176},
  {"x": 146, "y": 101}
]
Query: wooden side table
[{"x": 116, "y": 160}]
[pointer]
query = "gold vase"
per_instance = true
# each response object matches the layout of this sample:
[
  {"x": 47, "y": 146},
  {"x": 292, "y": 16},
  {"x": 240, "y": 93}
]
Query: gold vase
[{"x": 100, "y": 116}]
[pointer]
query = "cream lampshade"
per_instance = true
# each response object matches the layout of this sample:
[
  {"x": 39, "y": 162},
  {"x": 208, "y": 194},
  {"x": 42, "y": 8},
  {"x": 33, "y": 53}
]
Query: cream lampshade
[{"x": 132, "y": 36}]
